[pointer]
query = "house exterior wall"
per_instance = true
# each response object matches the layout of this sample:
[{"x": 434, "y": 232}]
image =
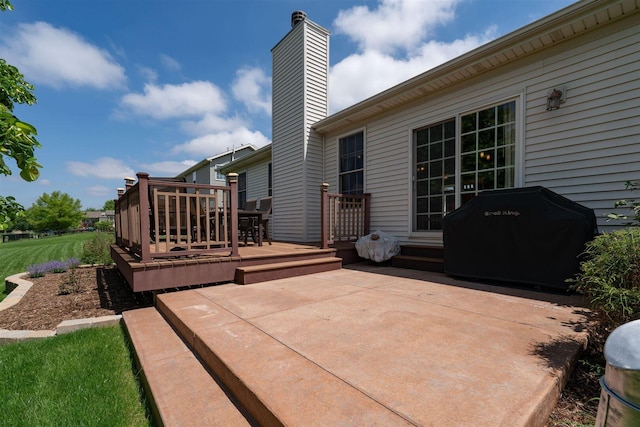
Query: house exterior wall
[
  {"x": 258, "y": 180},
  {"x": 588, "y": 148},
  {"x": 299, "y": 97},
  {"x": 585, "y": 150}
]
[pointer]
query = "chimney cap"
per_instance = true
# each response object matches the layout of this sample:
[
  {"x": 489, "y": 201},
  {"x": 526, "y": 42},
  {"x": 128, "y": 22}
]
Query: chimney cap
[{"x": 297, "y": 17}]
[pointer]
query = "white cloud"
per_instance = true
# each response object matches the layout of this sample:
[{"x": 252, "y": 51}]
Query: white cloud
[
  {"x": 214, "y": 143},
  {"x": 211, "y": 123},
  {"x": 394, "y": 23},
  {"x": 173, "y": 101},
  {"x": 253, "y": 88},
  {"x": 104, "y": 167},
  {"x": 44, "y": 182},
  {"x": 387, "y": 56},
  {"x": 58, "y": 57},
  {"x": 148, "y": 74},
  {"x": 167, "y": 168},
  {"x": 170, "y": 63},
  {"x": 100, "y": 191}
]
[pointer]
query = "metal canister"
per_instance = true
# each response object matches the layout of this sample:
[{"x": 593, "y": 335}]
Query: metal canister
[{"x": 620, "y": 396}]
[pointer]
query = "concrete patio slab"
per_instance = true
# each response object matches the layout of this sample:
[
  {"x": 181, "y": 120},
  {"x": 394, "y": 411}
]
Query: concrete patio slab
[{"x": 386, "y": 346}]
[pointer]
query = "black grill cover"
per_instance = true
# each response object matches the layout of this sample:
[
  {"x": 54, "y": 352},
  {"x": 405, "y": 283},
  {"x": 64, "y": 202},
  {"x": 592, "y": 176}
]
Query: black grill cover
[{"x": 523, "y": 235}]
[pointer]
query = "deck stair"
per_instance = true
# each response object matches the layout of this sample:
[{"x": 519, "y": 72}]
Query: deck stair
[
  {"x": 232, "y": 373},
  {"x": 426, "y": 258},
  {"x": 281, "y": 270},
  {"x": 264, "y": 267}
]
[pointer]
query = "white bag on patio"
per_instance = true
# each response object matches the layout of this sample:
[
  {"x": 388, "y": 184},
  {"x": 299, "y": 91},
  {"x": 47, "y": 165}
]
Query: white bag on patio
[{"x": 378, "y": 246}]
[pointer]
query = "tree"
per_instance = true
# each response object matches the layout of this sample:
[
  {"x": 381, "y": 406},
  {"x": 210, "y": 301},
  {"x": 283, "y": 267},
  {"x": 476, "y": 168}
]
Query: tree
[
  {"x": 17, "y": 138},
  {"x": 103, "y": 225},
  {"x": 21, "y": 223},
  {"x": 109, "y": 205},
  {"x": 56, "y": 211}
]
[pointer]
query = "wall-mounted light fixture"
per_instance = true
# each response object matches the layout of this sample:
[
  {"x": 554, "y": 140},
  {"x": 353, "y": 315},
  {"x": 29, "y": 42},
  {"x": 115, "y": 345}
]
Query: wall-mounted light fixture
[{"x": 555, "y": 97}]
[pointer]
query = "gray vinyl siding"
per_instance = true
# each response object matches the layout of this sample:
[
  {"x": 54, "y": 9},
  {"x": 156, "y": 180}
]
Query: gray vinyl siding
[
  {"x": 258, "y": 181},
  {"x": 288, "y": 119},
  {"x": 585, "y": 151},
  {"x": 316, "y": 109},
  {"x": 588, "y": 148},
  {"x": 203, "y": 176},
  {"x": 300, "y": 67}
]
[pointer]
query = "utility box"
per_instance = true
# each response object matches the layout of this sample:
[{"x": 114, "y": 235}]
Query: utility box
[{"x": 620, "y": 397}]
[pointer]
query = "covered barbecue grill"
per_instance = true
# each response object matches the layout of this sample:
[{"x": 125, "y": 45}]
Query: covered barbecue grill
[{"x": 523, "y": 235}]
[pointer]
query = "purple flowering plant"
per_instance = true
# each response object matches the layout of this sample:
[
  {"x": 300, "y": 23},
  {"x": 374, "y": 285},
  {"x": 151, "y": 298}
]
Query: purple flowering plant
[{"x": 39, "y": 270}]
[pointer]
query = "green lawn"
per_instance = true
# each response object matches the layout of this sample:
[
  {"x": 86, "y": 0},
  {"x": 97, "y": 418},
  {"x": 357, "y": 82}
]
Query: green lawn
[
  {"x": 16, "y": 256},
  {"x": 83, "y": 378}
]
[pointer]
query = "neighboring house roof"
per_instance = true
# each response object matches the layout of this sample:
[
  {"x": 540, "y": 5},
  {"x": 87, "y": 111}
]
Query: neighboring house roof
[
  {"x": 99, "y": 214},
  {"x": 542, "y": 34},
  {"x": 262, "y": 154},
  {"x": 209, "y": 160}
]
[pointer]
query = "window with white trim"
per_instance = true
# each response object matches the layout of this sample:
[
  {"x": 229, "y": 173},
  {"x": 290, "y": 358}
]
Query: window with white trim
[
  {"x": 486, "y": 153},
  {"x": 487, "y": 147},
  {"x": 242, "y": 190},
  {"x": 435, "y": 174},
  {"x": 351, "y": 175}
]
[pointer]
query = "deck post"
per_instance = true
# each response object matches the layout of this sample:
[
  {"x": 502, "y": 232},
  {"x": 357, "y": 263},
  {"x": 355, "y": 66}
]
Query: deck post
[
  {"x": 145, "y": 240},
  {"x": 232, "y": 179},
  {"x": 324, "y": 202}
]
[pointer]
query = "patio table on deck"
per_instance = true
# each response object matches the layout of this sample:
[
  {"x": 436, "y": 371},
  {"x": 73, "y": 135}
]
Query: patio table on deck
[{"x": 257, "y": 215}]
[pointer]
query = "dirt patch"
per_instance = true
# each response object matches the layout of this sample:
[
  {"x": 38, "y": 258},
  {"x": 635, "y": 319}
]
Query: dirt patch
[
  {"x": 578, "y": 404},
  {"x": 95, "y": 292}
]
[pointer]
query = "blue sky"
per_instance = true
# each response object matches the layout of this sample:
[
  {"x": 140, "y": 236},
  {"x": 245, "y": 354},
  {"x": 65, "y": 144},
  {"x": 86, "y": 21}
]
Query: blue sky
[{"x": 125, "y": 86}]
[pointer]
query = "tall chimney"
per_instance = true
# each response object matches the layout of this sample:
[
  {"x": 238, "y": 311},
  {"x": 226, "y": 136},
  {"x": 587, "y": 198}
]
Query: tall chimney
[{"x": 297, "y": 17}]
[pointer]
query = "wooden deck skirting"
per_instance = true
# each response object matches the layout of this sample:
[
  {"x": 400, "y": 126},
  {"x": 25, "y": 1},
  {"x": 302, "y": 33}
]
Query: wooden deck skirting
[{"x": 205, "y": 269}]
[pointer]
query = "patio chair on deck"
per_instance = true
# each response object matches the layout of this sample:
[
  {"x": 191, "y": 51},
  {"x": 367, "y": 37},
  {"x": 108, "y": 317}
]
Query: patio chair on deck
[
  {"x": 265, "y": 209},
  {"x": 246, "y": 224}
]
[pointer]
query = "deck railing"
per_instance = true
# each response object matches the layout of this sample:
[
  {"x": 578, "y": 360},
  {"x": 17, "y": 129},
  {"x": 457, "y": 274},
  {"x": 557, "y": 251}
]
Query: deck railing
[
  {"x": 344, "y": 218},
  {"x": 161, "y": 218}
]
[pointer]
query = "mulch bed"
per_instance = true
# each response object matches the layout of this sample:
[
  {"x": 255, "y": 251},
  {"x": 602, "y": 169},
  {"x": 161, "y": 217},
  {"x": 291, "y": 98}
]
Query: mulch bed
[{"x": 99, "y": 291}]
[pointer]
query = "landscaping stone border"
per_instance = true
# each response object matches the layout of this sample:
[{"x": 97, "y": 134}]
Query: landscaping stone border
[{"x": 19, "y": 288}]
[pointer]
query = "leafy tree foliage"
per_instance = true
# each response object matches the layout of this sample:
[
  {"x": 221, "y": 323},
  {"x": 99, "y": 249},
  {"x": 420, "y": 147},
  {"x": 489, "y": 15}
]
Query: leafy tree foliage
[
  {"x": 17, "y": 138},
  {"x": 103, "y": 225},
  {"x": 633, "y": 205},
  {"x": 21, "y": 223},
  {"x": 10, "y": 210},
  {"x": 109, "y": 205},
  {"x": 56, "y": 211}
]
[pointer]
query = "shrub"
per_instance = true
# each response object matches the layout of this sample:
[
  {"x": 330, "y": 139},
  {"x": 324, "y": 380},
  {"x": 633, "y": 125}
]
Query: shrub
[
  {"x": 103, "y": 225},
  {"x": 610, "y": 276},
  {"x": 633, "y": 205},
  {"x": 71, "y": 284},
  {"x": 96, "y": 249},
  {"x": 39, "y": 270}
]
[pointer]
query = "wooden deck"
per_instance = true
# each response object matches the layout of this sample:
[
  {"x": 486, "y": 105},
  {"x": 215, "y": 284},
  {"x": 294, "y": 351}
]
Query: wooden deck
[{"x": 188, "y": 270}]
